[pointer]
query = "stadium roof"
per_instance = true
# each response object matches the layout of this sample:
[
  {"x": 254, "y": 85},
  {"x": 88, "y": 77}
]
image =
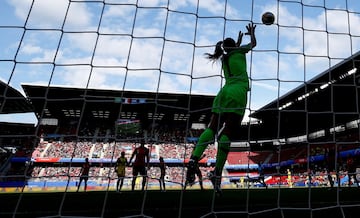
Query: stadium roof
[
  {"x": 330, "y": 99},
  {"x": 12, "y": 101},
  {"x": 106, "y": 106}
]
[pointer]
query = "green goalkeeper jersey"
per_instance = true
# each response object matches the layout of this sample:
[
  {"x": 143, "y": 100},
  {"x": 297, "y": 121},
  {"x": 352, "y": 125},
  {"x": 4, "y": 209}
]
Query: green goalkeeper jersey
[{"x": 232, "y": 97}]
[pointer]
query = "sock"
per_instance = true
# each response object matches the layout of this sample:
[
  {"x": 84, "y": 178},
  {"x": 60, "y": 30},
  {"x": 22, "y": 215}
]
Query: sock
[
  {"x": 222, "y": 153},
  {"x": 205, "y": 138}
]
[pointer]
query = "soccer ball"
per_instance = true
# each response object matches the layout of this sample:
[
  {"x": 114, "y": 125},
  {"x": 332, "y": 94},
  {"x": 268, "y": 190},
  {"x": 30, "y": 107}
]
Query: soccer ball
[{"x": 268, "y": 18}]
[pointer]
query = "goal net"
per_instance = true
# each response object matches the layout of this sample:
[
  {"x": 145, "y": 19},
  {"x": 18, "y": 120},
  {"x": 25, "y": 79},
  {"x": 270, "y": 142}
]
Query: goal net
[{"x": 301, "y": 125}]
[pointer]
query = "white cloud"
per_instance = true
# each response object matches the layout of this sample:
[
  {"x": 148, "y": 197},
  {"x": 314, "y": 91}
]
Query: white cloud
[
  {"x": 31, "y": 49},
  {"x": 137, "y": 56},
  {"x": 43, "y": 13},
  {"x": 215, "y": 7},
  {"x": 21, "y": 7}
]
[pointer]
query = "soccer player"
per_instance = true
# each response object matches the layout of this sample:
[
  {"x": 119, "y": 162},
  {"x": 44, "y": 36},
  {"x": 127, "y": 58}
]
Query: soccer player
[
  {"x": 351, "y": 168},
  {"x": 162, "y": 174},
  {"x": 141, "y": 162},
  {"x": 120, "y": 166},
  {"x": 84, "y": 174},
  {"x": 229, "y": 105},
  {"x": 330, "y": 158},
  {"x": 261, "y": 174},
  {"x": 199, "y": 175}
]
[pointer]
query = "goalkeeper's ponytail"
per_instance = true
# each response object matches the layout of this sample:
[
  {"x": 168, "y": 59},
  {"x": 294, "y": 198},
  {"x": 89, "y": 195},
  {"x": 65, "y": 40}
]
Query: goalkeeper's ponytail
[
  {"x": 217, "y": 53},
  {"x": 222, "y": 48}
]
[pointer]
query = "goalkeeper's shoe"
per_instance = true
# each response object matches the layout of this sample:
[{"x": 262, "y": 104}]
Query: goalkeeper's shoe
[
  {"x": 191, "y": 171},
  {"x": 216, "y": 182}
]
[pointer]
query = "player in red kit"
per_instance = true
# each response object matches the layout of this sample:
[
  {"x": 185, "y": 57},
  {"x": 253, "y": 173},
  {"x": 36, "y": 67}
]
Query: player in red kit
[
  {"x": 84, "y": 174},
  {"x": 142, "y": 158}
]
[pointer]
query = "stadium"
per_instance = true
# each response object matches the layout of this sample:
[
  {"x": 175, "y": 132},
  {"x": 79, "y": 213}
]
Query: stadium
[
  {"x": 288, "y": 139},
  {"x": 58, "y": 149}
]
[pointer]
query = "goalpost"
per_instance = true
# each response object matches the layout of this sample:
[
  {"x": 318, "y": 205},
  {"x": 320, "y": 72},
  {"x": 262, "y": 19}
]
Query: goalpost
[{"x": 159, "y": 46}]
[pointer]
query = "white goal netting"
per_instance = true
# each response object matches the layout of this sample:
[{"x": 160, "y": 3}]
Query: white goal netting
[{"x": 158, "y": 47}]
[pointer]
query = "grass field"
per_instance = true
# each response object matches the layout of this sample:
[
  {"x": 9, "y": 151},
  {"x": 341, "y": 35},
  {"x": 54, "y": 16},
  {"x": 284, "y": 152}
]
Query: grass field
[{"x": 272, "y": 202}]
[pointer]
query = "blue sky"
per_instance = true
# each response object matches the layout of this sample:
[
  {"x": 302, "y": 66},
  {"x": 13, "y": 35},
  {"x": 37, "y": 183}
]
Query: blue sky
[{"x": 158, "y": 45}]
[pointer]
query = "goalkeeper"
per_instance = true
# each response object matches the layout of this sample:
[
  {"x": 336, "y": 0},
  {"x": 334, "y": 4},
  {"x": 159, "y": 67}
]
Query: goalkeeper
[{"x": 229, "y": 105}]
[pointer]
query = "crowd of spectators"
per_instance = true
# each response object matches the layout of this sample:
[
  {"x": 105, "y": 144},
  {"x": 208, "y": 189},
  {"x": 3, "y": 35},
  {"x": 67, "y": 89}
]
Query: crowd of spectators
[
  {"x": 109, "y": 150},
  {"x": 171, "y": 149}
]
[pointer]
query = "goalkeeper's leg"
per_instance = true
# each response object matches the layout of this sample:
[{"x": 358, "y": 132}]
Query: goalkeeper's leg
[
  {"x": 205, "y": 138},
  {"x": 232, "y": 126},
  {"x": 223, "y": 150}
]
